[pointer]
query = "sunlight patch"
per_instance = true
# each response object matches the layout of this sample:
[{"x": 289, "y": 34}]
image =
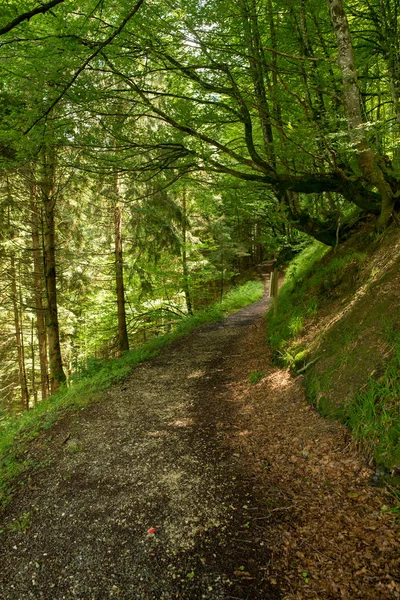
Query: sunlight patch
[
  {"x": 280, "y": 379},
  {"x": 196, "y": 374},
  {"x": 157, "y": 433},
  {"x": 181, "y": 423}
]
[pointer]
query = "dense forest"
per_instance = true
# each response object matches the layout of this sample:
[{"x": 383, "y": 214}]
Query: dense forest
[{"x": 149, "y": 153}]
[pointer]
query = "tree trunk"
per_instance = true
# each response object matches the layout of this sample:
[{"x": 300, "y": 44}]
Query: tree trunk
[
  {"x": 34, "y": 389},
  {"x": 18, "y": 337},
  {"x": 276, "y": 106},
  {"x": 254, "y": 48},
  {"x": 57, "y": 375},
  {"x": 369, "y": 163},
  {"x": 38, "y": 289},
  {"x": 123, "y": 342},
  {"x": 185, "y": 268},
  {"x": 391, "y": 44},
  {"x": 21, "y": 320}
]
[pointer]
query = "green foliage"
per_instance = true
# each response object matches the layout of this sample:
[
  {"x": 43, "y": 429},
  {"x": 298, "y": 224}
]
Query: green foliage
[
  {"x": 395, "y": 493},
  {"x": 374, "y": 413},
  {"x": 256, "y": 376},
  {"x": 16, "y": 433},
  {"x": 288, "y": 323},
  {"x": 325, "y": 280},
  {"x": 23, "y": 523},
  {"x": 307, "y": 283},
  {"x": 242, "y": 296},
  {"x": 296, "y": 325}
]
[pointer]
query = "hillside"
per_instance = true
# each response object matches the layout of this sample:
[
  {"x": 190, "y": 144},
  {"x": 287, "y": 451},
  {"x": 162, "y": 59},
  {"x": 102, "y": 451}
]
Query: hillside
[{"x": 338, "y": 329}]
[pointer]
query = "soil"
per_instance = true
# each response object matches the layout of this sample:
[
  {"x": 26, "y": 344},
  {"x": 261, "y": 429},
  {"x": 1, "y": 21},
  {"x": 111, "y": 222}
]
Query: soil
[{"x": 187, "y": 481}]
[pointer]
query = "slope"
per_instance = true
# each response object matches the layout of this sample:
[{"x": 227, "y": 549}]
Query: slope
[{"x": 338, "y": 326}]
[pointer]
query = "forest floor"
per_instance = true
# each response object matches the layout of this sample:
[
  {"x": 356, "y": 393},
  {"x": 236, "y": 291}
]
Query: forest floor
[{"x": 187, "y": 481}]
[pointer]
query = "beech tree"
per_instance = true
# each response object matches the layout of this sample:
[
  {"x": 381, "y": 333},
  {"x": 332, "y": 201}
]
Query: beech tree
[
  {"x": 371, "y": 164},
  {"x": 232, "y": 94}
]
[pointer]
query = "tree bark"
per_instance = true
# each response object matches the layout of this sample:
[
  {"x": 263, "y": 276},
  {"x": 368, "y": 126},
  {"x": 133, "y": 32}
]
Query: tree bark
[
  {"x": 391, "y": 46},
  {"x": 34, "y": 388},
  {"x": 18, "y": 337},
  {"x": 38, "y": 291},
  {"x": 123, "y": 342},
  {"x": 57, "y": 375},
  {"x": 254, "y": 48},
  {"x": 185, "y": 268},
  {"x": 369, "y": 163}
]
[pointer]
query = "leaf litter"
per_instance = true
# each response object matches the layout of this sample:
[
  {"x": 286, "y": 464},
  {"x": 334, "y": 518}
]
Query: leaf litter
[{"x": 331, "y": 534}]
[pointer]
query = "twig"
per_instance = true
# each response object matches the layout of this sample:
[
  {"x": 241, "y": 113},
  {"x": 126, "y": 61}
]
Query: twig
[
  {"x": 308, "y": 365},
  {"x": 28, "y": 15},
  {"x": 318, "y": 552},
  {"x": 275, "y": 510}
]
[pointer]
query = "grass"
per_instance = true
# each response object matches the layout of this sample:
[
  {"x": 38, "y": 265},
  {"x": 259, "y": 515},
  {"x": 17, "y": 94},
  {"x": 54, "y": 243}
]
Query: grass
[
  {"x": 290, "y": 318},
  {"x": 373, "y": 414},
  {"x": 17, "y": 433},
  {"x": 307, "y": 283},
  {"x": 317, "y": 279},
  {"x": 23, "y": 523},
  {"x": 256, "y": 376}
]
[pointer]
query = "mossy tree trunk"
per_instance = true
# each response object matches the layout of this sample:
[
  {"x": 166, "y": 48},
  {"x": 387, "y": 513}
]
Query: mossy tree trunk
[{"x": 370, "y": 163}]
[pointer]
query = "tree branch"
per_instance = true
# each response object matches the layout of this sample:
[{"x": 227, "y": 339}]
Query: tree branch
[
  {"x": 28, "y": 15},
  {"x": 85, "y": 64}
]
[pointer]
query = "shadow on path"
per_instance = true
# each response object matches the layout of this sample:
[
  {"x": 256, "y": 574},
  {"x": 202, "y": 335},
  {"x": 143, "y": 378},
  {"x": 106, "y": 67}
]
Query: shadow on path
[{"x": 151, "y": 456}]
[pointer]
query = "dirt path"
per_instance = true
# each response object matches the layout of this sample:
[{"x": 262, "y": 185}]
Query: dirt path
[{"x": 232, "y": 477}]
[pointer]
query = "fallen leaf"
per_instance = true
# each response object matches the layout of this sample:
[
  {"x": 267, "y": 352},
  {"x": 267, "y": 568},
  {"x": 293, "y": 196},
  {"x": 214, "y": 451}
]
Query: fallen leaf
[{"x": 244, "y": 574}]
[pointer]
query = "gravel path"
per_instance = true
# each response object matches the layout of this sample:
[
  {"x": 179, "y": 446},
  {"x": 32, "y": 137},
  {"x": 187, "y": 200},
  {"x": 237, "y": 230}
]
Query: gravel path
[{"x": 142, "y": 496}]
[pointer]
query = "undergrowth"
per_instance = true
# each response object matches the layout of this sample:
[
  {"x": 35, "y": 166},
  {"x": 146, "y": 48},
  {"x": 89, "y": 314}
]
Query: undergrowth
[
  {"x": 16, "y": 433},
  {"x": 292, "y": 304},
  {"x": 306, "y": 283},
  {"x": 374, "y": 414},
  {"x": 316, "y": 279},
  {"x": 256, "y": 376}
]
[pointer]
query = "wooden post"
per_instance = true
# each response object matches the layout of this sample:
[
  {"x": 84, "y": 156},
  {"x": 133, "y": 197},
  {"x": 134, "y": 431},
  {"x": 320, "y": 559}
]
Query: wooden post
[{"x": 271, "y": 284}]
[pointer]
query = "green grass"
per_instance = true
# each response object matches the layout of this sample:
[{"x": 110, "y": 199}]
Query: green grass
[
  {"x": 373, "y": 412},
  {"x": 22, "y": 524},
  {"x": 291, "y": 301},
  {"x": 241, "y": 296},
  {"x": 307, "y": 283},
  {"x": 256, "y": 376},
  {"x": 17, "y": 433}
]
